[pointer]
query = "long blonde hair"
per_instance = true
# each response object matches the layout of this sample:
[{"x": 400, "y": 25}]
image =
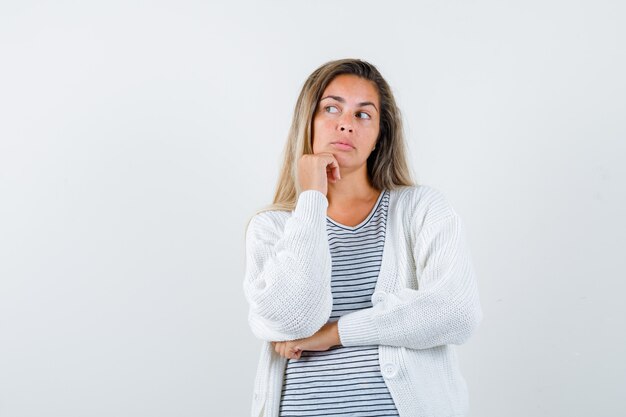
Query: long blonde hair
[{"x": 387, "y": 165}]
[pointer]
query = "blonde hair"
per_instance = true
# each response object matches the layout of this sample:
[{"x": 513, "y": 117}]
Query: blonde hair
[{"x": 387, "y": 165}]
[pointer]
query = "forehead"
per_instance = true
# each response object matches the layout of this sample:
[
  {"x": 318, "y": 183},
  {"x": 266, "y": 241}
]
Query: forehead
[{"x": 352, "y": 88}]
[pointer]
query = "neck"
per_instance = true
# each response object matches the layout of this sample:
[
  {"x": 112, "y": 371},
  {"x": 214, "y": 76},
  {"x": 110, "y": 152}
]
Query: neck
[{"x": 353, "y": 186}]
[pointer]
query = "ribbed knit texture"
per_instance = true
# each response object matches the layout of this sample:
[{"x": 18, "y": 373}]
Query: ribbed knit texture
[
  {"x": 344, "y": 381},
  {"x": 288, "y": 271},
  {"x": 425, "y": 299}
]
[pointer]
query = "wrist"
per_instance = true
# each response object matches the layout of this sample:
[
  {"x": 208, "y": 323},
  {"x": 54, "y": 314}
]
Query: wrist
[{"x": 335, "y": 329}]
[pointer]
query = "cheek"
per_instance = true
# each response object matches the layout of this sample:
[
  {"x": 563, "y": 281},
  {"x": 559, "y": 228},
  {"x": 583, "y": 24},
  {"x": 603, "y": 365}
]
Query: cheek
[
  {"x": 319, "y": 127},
  {"x": 371, "y": 133},
  {"x": 321, "y": 124},
  {"x": 314, "y": 130},
  {"x": 375, "y": 132}
]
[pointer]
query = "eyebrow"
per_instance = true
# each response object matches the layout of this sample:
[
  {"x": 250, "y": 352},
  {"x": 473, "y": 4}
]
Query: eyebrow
[{"x": 342, "y": 100}]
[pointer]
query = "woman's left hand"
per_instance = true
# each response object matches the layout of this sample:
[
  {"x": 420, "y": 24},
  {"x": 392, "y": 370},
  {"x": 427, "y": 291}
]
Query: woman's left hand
[{"x": 323, "y": 339}]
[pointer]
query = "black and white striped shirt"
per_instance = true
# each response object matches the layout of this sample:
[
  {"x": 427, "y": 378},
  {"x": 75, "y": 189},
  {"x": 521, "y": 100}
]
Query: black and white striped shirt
[{"x": 344, "y": 381}]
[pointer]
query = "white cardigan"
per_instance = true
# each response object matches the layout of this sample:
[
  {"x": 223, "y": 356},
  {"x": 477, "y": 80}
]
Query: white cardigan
[{"x": 425, "y": 299}]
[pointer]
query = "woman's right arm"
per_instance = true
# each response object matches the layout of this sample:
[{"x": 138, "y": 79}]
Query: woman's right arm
[{"x": 288, "y": 271}]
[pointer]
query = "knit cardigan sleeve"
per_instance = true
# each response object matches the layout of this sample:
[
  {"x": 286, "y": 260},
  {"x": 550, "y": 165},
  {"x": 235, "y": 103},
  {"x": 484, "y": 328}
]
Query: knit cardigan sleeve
[
  {"x": 445, "y": 309},
  {"x": 288, "y": 271}
]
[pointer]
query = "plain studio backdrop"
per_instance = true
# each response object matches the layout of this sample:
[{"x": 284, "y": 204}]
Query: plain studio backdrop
[{"x": 137, "y": 138}]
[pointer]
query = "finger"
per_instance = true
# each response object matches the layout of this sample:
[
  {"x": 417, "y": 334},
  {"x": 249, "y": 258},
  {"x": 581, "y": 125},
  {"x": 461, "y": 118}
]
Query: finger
[
  {"x": 292, "y": 352},
  {"x": 334, "y": 167},
  {"x": 336, "y": 172},
  {"x": 299, "y": 351},
  {"x": 330, "y": 175},
  {"x": 332, "y": 172}
]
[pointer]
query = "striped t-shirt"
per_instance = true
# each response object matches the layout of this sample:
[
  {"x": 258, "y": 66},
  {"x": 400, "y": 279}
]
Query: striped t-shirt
[{"x": 344, "y": 381}]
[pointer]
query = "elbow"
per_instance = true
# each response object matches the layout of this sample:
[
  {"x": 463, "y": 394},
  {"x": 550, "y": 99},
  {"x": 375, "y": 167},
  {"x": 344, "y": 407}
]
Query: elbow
[
  {"x": 295, "y": 325},
  {"x": 469, "y": 321},
  {"x": 307, "y": 324},
  {"x": 309, "y": 327},
  {"x": 303, "y": 328}
]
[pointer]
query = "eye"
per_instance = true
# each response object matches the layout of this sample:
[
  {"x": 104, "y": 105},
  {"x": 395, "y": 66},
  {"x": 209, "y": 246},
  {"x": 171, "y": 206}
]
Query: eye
[
  {"x": 366, "y": 116},
  {"x": 330, "y": 107}
]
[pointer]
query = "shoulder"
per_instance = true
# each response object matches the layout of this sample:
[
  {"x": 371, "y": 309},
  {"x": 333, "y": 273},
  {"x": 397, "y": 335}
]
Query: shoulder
[
  {"x": 423, "y": 205},
  {"x": 267, "y": 222},
  {"x": 423, "y": 197}
]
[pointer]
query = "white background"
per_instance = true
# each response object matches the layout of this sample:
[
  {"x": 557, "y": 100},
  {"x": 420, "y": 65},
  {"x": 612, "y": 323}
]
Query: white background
[{"x": 136, "y": 139}]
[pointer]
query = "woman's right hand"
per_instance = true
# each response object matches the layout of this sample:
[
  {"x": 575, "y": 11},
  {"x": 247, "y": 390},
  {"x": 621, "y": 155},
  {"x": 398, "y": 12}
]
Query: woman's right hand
[{"x": 315, "y": 170}]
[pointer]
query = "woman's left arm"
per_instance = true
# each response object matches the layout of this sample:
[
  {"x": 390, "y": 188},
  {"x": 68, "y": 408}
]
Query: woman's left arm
[{"x": 444, "y": 310}]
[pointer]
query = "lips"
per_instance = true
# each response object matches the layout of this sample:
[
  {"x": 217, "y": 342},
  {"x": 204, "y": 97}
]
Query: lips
[{"x": 341, "y": 142}]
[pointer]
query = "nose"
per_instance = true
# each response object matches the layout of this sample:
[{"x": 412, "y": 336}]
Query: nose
[{"x": 345, "y": 125}]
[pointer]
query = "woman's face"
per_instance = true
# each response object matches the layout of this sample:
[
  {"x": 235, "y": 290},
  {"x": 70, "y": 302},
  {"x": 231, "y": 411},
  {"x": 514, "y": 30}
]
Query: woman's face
[{"x": 347, "y": 121}]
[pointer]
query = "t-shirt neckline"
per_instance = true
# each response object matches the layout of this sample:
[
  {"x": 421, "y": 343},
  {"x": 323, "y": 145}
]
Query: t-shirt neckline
[{"x": 365, "y": 221}]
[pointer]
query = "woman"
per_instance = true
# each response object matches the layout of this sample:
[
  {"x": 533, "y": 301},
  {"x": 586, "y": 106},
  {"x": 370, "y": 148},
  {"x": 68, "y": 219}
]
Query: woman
[{"x": 358, "y": 281}]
